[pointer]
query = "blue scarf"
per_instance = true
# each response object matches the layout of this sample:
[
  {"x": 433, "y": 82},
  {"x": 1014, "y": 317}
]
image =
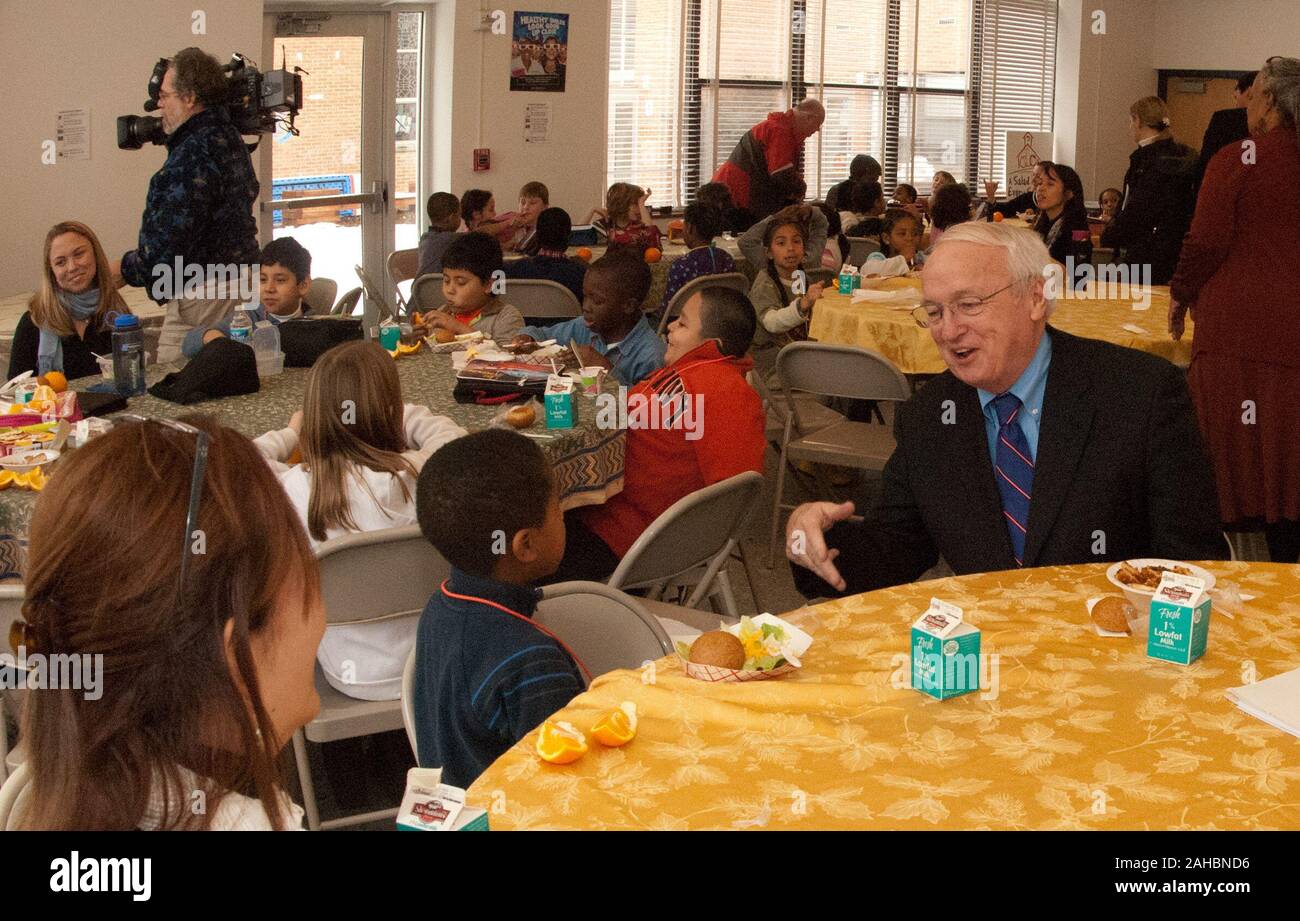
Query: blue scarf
[{"x": 49, "y": 353}]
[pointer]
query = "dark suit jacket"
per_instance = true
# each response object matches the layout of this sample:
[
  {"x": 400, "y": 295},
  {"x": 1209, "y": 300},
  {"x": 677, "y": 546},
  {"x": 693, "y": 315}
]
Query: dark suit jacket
[
  {"x": 1159, "y": 199},
  {"x": 1226, "y": 126},
  {"x": 1120, "y": 461}
]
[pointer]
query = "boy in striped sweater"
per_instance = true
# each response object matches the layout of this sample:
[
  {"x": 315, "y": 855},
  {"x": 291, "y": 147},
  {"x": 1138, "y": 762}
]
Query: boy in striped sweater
[{"x": 485, "y": 673}]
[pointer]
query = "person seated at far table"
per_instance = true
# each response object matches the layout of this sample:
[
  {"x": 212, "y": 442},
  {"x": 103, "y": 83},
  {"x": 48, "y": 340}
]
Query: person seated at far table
[
  {"x": 471, "y": 269},
  {"x": 1034, "y": 448},
  {"x": 862, "y": 216},
  {"x": 284, "y": 281},
  {"x": 612, "y": 332},
  {"x": 486, "y": 674},
  {"x": 534, "y": 198},
  {"x": 68, "y": 320},
  {"x": 949, "y": 206},
  {"x": 701, "y": 223},
  {"x": 626, "y": 219},
  {"x": 551, "y": 263},
  {"x": 444, "y": 221},
  {"x": 709, "y": 428}
]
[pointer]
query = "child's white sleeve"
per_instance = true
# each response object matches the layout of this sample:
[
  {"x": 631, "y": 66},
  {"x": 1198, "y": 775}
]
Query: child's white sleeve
[
  {"x": 426, "y": 433},
  {"x": 784, "y": 319},
  {"x": 276, "y": 447}
]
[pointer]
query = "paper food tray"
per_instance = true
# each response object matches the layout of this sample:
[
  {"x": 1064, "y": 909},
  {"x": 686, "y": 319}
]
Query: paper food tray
[{"x": 799, "y": 643}]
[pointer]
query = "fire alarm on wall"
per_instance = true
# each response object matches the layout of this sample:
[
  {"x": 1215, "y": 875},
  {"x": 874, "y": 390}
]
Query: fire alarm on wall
[{"x": 482, "y": 159}]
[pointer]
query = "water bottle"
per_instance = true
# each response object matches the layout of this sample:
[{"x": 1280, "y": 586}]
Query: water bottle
[
  {"x": 128, "y": 356},
  {"x": 241, "y": 326}
]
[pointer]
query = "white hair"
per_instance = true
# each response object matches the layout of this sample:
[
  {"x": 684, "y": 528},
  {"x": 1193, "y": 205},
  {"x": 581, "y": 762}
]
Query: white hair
[
  {"x": 1026, "y": 253},
  {"x": 1281, "y": 80}
]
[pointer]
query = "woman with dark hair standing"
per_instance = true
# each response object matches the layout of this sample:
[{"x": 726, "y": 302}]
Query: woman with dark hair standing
[
  {"x": 1239, "y": 275},
  {"x": 1062, "y": 219},
  {"x": 1158, "y": 194},
  {"x": 207, "y": 651}
]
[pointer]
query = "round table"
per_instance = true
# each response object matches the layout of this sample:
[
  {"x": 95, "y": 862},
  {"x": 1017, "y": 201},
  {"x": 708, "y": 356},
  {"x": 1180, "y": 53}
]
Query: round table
[
  {"x": 1082, "y": 732},
  {"x": 587, "y": 460},
  {"x": 891, "y": 330}
]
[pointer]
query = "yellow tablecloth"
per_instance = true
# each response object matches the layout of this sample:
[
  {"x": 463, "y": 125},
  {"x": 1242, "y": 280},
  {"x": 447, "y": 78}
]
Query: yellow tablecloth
[
  {"x": 1084, "y": 732},
  {"x": 894, "y": 333}
]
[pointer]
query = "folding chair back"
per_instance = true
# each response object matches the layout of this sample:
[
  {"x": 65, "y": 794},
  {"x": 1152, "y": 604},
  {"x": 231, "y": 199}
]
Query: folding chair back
[
  {"x": 320, "y": 296},
  {"x": 378, "y": 575},
  {"x": 697, "y": 530},
  {"x": 860, "y": 248},
  {"x": 408, "y": 702},
  {"x": 733, "y": 280},
  {"x": 402, "y": 265},
  {"x": 347, "y": 304},
  {"x": 542, "y": 299},
  {"x": 840, "y": 371},
  {"x": 11, "y": 608},
  {"x": 606, "y": 629},
  {"x": 426, "y": 293},
  {"x": 13, "y": 794},
  {"x": 375, "y": 298}
]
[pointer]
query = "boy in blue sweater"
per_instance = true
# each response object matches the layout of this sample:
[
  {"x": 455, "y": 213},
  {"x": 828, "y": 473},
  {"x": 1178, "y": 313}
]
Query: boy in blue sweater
[
  {"x": 612, "y": 332},
  {"x": 284, "y": 281},
  {"x": 485, "y": 674}
]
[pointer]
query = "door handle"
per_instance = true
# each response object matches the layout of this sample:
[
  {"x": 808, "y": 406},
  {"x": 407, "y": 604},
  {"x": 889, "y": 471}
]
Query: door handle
[{"x": 379, "y": 196}]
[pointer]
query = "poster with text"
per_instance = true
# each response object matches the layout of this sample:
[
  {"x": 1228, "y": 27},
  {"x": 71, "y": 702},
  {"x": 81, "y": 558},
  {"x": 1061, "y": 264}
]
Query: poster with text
[
  {"x": 1024, "y": 149},
  {"x": 539, "y": 52}
]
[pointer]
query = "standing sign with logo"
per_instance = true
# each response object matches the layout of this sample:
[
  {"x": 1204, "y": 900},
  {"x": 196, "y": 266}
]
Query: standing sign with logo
[{"x": 1024, "y": 150}]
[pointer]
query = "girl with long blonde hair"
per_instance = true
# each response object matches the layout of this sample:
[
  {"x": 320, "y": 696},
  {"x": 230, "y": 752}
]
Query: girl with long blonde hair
[{"x": 361, "y": 450}]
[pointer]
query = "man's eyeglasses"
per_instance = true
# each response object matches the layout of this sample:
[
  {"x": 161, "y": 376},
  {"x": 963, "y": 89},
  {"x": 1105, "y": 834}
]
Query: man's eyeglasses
[
  {"x": 196, "y": 481},
  {"x": 931, "y": 314}
]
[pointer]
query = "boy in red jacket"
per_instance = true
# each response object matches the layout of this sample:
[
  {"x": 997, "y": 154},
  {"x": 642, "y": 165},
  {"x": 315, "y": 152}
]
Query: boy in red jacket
[{"x": 693, "y": 423}]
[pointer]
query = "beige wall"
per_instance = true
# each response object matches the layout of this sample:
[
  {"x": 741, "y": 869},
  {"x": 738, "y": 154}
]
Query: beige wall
[
  {"x": 1223, "y": 34},
  {"x": 484, "y": 113},
  {"x": 105, "y": 51}
]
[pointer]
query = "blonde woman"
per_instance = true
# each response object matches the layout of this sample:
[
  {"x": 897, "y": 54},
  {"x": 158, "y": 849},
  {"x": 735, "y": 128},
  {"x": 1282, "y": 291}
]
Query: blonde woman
[
  {"x": 70, "y": 318},
  {"x": 1159, "y": 194},
  {"x": 361, "y": 449}
]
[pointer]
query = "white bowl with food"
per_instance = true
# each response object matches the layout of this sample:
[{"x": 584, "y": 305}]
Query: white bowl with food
[
  {"x": 1138, "y": 579},
  {"x": 28, "y": 459}
]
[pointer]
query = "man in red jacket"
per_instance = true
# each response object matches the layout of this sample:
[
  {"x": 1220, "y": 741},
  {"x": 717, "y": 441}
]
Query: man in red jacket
[
  {"x": 693, "y": 423},
  {"x": 763, "y": 170}
]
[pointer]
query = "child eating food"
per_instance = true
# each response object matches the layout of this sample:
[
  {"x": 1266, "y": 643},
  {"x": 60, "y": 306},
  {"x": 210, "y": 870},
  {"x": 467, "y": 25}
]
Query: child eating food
[
  {"x": 783, "y": 313},
  {"x": 471, "y": 267},
  {"x": 627, "y": 220},
  {"x": 612, "y": 332}
]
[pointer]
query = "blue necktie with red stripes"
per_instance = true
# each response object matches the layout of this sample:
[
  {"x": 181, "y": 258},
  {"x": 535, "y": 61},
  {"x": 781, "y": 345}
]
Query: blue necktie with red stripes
[{"x": 1014, "y": 471}]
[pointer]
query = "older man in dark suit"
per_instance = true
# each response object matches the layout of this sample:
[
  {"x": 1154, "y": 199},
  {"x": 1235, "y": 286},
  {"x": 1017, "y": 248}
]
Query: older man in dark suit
[{"x": 1034, "y": 448}]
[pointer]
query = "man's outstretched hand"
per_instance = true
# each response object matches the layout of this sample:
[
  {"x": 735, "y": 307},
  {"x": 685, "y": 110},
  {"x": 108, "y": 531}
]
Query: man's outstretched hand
[{"x": 805, "y": 538}]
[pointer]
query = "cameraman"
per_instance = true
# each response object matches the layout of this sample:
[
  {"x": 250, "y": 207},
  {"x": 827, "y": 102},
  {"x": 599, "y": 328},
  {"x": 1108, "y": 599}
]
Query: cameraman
[{"x": 200, "y": 206}]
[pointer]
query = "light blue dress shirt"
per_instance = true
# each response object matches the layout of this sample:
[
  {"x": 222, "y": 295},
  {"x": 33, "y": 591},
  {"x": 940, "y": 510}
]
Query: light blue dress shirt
[{"x": 1030, "y": 387}]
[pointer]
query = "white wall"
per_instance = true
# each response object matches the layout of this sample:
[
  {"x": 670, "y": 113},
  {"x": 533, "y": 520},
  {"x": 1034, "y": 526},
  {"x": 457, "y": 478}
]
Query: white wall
[
  {"x": 484, "y": 113},
  {"x": 90, "y": 54}
]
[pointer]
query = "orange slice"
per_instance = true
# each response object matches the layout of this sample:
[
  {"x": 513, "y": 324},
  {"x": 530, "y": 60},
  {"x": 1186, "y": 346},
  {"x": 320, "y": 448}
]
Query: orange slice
[
  {"x": 617, "y": 727},
  {"x": 7, "y": 478},
  {"x": 16, "y": 409},
  {"x": 560, "y": 743},
  {"x": 55, "y": 380},
  {"x": 36, "y": 479}
]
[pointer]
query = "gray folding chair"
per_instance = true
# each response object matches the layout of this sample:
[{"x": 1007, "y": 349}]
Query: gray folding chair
[
  {"x": 698, "y": 530},
  {"x": 836, "y": 371},
  {"x": 347, "y": 304},
  {"x": 860, "y": 248},
  {"x": 733, "y": 280},
  {"x": 816, "y": 415},
  {"x": 375, "y": 301},
  {"x": 320, "y": 296},
  {"x": 402, "y": 265},
  {"x": 542, "y": 299},
  {"x": 13, "y": 792},
  {"x": 606, "y": 629},
  {"x": 821, "y": 276},
  {"x": 408, "y": 702},
  {"x": 366, "y": 577},
  {"x": 11, "y": 608},
  {"x": 426, "y": 293}
]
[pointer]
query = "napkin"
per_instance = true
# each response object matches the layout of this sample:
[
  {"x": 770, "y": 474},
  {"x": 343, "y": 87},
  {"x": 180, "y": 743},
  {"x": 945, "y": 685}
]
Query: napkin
[
  {"x": 1274, "y": 700},
  {"x": 1134, "y": 328},
  {"x": 905, "y": 299}
]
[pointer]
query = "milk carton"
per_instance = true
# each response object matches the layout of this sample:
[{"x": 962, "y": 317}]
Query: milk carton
[
  {"x": 945, "y": 652},
  {"x": 1180, "y": 619},
  {"x": 430, "y": 805},
  {"x": 560, "y": 408}
]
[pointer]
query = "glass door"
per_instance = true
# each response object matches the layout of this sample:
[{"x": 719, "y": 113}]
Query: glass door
[{"x": 330, "y": 183}]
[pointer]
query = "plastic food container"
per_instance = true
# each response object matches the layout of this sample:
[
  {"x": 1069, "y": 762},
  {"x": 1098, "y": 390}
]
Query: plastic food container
[
  {"x": 106, "y": 368},
  {"x": 269, "y": 364}
]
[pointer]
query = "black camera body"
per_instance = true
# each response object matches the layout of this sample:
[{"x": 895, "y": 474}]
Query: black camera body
[{"x": 257, "y": 103}]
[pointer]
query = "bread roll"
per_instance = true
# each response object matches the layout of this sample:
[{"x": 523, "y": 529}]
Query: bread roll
[{"x": 522, "y": 416}]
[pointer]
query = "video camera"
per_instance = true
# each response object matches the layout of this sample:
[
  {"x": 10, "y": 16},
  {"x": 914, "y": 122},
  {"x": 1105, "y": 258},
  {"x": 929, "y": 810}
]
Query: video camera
[{"x": 257, "y": 103}]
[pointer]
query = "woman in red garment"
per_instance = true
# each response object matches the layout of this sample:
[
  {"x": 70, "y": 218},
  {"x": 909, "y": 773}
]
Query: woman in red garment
[{"x": 1239, "y": 274}]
